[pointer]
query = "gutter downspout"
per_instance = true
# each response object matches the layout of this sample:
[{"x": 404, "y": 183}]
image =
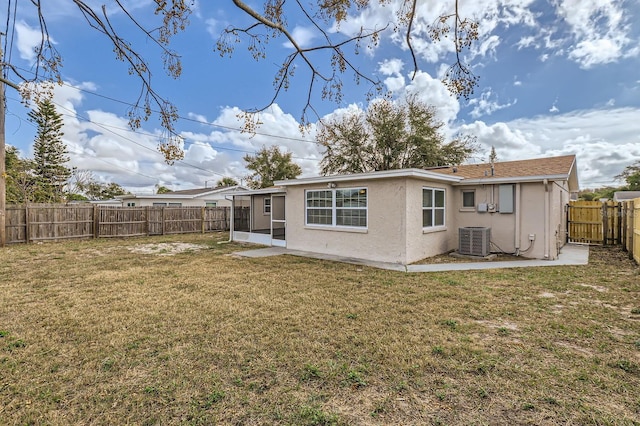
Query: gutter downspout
[
  {"x": 518, "y": 226},
  {"x": 546, "y": 218}
]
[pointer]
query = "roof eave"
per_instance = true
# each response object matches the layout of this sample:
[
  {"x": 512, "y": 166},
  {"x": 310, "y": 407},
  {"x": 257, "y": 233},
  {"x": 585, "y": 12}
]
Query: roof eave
[
  {"x": 261, "y": 191},
  {"x": 386, "y": 174},
  {"x": 519, "y": 179}
]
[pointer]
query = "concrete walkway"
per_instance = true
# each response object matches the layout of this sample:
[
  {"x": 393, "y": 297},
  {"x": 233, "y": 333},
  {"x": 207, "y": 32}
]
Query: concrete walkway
[{"x": 571, "y": 254}]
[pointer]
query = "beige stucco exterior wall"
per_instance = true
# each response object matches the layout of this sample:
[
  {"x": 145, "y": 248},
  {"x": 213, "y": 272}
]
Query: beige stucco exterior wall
[
  {"x": 529, "y": 209},
  {"x": 260, "y": 220},
  {"x": 394, "y": 224},
  {"x": 424, "y": 242},
  {"x": 384, "y": 239},
  {"x": 394, "y": 230}
]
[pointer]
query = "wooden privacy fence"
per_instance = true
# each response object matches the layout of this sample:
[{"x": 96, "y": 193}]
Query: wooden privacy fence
[
  {"x": 26, "y": 224},
  {"x": 602, "y": 223},
  {"x": 594, "y": 222}
]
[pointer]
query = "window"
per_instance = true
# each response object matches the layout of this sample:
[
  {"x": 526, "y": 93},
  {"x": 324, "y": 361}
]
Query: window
[
  {"x": 159, "y": 204},
  {"x": 211, "y": 204},
  {"x": 131, "y": 204},
  {"x": 175, "y": 204},
  {"x": 337, "y": 207},
  {"x": 469, "y": 199},
  {"x": 267, "y": 206},
  {"x": 432, "y": 207}
]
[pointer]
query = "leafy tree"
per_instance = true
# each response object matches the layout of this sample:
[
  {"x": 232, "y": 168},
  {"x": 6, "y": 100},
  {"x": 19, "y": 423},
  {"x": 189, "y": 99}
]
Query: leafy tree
[
  {"x": 226, "y": 181},
  {"x": 100, "y": 191},
  {"x": 631, "y": 175},
  {"x": 20, "y": 179},
  {"x": 160, "y": 189},
  {"x": 327, "y": 61},
  {"x": 389, "y": 136},
  {"x": 598, "y": 193},
  {"x": 269, "y": 165},
  {"x": 50, "y": 154},
  {"x": 84, "y": 186}
]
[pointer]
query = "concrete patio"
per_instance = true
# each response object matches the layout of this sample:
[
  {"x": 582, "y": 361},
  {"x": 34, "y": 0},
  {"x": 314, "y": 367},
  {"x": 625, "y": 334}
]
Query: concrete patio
[{"x": 570, "y": 255}]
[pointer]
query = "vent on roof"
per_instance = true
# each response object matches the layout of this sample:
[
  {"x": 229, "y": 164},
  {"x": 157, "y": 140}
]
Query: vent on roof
[{"x": 474, "y": 241}]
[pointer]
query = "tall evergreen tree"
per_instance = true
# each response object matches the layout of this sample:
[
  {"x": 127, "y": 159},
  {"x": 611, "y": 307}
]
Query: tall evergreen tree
[
  {"x": 493, "y": 156},
  {"x": 50, "y": 154}
]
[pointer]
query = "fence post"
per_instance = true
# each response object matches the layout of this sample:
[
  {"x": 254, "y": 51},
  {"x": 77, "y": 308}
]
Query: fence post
[
  {"x": 147, "y": 224},
  {"x": 163, "y": 218},
  {"x": 203, "y": 217},
  {"x": 605, "y": 222},
  {"x": 27, "y": 223},
  {"x": 224, "y": 217},
  {"x": 96, "y": 221},
  {"x": 619, "y": 216}
]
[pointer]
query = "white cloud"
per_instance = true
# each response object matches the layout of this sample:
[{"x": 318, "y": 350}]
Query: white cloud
[
  {"x": 303, "y": 37},
  {"x": 485, "y": 106},
  {"x": 391, "y": 67},
  {"x": 600, "y": 31},
  {"x": 605, "y": 141},
  {"x": 28, "y": 39}
]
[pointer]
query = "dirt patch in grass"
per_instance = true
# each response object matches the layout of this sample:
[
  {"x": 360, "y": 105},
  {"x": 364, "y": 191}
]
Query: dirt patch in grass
[
  {"x": 166, "y": 249},
  {"x": 94, "y": 333}
]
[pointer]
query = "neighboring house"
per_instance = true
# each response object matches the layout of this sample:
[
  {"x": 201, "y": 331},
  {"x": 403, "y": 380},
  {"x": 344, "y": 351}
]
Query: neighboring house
[
  {"x": 403, "y": 216},
  {"x": 625, "y": 195},
  {"x": 199, "y": 197}
]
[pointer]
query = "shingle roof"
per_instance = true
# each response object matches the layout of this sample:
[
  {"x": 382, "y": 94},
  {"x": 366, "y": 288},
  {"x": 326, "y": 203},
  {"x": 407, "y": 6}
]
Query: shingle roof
[{"x": 550, "y": 166}]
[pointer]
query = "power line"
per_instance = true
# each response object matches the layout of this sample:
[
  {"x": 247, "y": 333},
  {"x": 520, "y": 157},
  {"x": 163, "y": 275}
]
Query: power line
[
  {"x": 235, "y": 129},
  {"x": 185, "y": 139}
]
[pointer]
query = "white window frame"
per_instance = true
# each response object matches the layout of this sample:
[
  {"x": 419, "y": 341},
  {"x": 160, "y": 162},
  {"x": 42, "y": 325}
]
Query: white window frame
[
  {"x": 468, "y": 208},
  {"x": 335, "y": 209},
  {"x": 433, "y": 208},
  {"x": 266, "y": 206},
  {"x": 211, "y": 204}
]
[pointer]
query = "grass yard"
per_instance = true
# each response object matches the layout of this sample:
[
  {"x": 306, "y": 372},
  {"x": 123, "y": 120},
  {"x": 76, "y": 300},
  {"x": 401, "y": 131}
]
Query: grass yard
[{"x": 133, "y": 332}]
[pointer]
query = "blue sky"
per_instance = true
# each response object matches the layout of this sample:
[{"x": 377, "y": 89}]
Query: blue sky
[{"x": 556, "y": 77}]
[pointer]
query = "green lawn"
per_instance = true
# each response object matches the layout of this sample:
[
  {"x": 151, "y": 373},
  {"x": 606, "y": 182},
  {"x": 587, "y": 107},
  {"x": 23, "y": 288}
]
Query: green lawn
[{"x": 95, "y": 332}]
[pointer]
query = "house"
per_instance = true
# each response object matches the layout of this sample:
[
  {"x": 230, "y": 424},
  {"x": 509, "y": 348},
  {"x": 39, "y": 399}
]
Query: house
[
  {"x": 619, "y": 196},
  {"x": 403, "y": 216},
  {"x": 199, "y": 197}
]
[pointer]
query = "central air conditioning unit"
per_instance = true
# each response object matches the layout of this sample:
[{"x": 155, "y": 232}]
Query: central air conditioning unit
[{"x": 474, "y": 241}]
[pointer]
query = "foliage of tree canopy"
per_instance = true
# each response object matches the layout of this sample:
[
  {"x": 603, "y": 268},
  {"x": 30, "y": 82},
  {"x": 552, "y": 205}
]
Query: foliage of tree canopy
[
  {"x": 226, "y": 181},
  {"x": 326, "y": 62},
  {"x": 388, "y": 136},
  {"x": 19, "y": 175},
  {"x": 631, "y": 175},
  {"x": 84, "y": 185},
  {"x": 269, "y": 165}
]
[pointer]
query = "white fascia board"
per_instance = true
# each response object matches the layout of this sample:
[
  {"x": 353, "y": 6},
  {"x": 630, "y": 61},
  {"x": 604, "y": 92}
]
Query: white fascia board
[
  {"x": 386, "y": 174},
  {"x": 262, "y": 191},
  {"x": 519, "y": 179}
]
